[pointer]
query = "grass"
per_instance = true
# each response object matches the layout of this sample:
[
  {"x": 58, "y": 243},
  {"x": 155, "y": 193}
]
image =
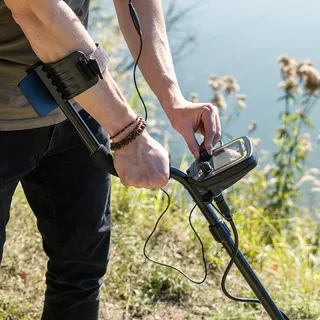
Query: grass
[{"x": 287, "y": 263}]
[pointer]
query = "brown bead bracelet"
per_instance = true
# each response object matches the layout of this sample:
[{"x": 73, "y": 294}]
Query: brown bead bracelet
[
  {"x": 131, "y": 136},
  {"x": 126, "y": 127}
]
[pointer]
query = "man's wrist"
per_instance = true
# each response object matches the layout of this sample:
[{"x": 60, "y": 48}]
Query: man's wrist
[
  {"x": 125, "y": 132},
  {"x": 171, "y": 95},
  {"x": 131, "y": 136},
  {"x": 135, "y": 145}
]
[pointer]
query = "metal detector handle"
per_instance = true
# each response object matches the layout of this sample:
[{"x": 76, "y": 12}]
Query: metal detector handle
[{"x": 103, "y": 158}]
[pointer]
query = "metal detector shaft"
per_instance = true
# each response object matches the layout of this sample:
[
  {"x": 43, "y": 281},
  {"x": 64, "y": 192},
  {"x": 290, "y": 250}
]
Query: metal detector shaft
[
  {"x": 222, "y": 234},
  {"x": 99, "y": 152}
]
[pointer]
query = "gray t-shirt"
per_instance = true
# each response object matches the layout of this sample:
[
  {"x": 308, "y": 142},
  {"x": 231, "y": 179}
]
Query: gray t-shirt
[{"x": 16, "y": 55}]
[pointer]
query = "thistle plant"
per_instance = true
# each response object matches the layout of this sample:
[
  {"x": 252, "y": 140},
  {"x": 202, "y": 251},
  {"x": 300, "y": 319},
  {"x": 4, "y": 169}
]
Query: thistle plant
[
  {"x": 301, "y": 87},
  {"x": 226, "y": 99}
]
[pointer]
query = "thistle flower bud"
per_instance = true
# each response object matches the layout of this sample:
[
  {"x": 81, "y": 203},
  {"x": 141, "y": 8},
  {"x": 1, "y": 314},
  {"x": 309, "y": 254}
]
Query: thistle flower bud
[
  {"x": 256, "y": 141},
  {"x": 290, "y": 85},
  {"x": 213, "y": 77},
  {"x": 285, "y": 60},
  {"x": 310, "y": 76},
  {"x": 252, "y": 127},
  {"x": 194, "y": 97},
  {"x": 288, "y": 71},
  {"x": 241, "y": 104},
  {"x": 241, "y": 96},
  {"x": 214, "y": 84},
  {"x": 304, "y": 144},
  {"x": 219, "y": 101}
]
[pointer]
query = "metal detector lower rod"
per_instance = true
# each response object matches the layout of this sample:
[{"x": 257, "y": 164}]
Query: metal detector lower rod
[
  {"x": 86, "y": 135},
  {"x": 222, "y": 234}
]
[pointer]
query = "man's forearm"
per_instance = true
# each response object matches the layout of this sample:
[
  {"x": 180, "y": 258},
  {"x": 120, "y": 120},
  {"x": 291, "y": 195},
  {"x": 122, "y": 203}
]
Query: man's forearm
[
  {"x": 156, "y": 61},
  {"x": 54, "y": 31}
]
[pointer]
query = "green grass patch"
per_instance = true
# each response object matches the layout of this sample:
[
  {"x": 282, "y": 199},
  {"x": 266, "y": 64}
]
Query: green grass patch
[{"x": 286, "y": 261}]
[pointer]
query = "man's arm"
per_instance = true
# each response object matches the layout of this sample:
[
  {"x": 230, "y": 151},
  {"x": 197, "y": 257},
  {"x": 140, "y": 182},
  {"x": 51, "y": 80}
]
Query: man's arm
[
  {"x": 54, "y": 31},
  {"x": 156, "y": 62},
  {"x": 157, "y": 68}
]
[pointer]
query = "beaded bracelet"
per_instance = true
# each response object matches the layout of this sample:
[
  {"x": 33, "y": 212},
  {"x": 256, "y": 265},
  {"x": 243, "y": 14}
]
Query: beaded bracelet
[
  {"x": 131, "y": 136},
  {"x": 126, "y": 127}
]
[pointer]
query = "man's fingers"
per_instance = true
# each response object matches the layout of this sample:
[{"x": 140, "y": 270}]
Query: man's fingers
[
  {"x": 212, "y": 128},
  {"x": 218, "y": 130},
  {"x": 192, "y": 143}
]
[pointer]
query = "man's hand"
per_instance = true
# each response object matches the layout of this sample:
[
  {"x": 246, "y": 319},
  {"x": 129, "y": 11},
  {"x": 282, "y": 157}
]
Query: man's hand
[
  {"x": 144, "y": 163},
  {"x": 189, "y": 118}
]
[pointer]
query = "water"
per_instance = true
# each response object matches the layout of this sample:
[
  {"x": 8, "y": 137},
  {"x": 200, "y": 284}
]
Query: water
[{"x": 244, "y": 39}]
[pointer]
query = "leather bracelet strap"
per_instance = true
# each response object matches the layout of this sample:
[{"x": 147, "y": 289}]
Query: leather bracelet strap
[
  {"x": 131, "y": 136},
  {"x": 126, "y": 127}
]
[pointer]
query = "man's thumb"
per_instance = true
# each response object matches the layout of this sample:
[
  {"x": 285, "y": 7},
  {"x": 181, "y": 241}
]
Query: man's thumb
[{"x": 193, "y": 144}]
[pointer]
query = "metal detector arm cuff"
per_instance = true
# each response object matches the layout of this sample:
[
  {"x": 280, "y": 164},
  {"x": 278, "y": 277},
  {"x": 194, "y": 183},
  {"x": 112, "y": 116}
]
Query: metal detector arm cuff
[{"x": 77, "y": 72}]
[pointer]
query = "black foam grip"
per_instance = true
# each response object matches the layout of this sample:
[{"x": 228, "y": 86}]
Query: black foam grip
[{"x": 103, "y": 158}]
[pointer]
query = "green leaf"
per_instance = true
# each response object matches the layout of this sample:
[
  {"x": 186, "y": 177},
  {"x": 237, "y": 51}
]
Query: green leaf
[
  {"x": 295, "y": 131},
  {"x": 294, "y": 117},
  {"x": 307, "y": 120}
]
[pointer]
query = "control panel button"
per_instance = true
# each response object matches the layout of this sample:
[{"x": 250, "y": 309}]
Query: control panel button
[{"x": 206, "y": 167}]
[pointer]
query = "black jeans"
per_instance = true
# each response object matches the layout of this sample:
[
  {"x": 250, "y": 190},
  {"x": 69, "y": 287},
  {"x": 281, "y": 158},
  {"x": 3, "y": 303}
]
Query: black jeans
[{"x": 70, "y": 197}]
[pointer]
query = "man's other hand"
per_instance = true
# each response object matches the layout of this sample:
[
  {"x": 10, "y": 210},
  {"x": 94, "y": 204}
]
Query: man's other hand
[{"x": 189, "y": 118}]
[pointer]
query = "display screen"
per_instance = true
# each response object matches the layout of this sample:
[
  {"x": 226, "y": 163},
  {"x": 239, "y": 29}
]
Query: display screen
[{"x": 227, "y": 155}]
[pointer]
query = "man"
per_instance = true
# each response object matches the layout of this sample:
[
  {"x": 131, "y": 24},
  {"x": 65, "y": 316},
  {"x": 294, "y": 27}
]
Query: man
[{"x": 67, "y": 192}]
